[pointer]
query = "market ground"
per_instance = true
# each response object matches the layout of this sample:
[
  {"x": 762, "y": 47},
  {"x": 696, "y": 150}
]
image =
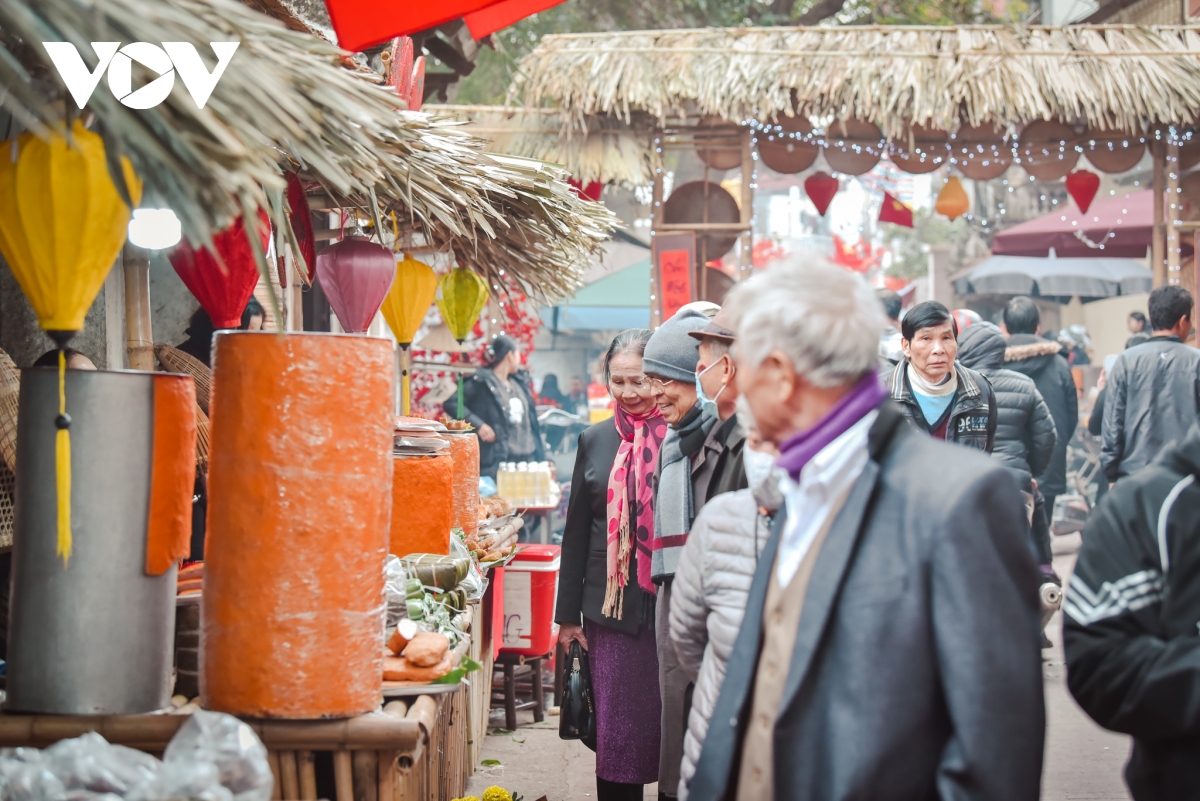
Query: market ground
[{"x": 1083, "y": 761}]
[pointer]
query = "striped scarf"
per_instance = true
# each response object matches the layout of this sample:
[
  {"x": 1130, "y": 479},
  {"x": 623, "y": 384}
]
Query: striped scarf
[{"x": 674, "y": 507}]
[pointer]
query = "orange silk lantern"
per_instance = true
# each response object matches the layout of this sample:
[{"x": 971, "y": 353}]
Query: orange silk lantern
[{"x": 952, "y": 201}]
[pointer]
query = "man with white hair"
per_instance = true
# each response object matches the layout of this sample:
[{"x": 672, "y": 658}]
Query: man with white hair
[{"x": 889, "y": 648}]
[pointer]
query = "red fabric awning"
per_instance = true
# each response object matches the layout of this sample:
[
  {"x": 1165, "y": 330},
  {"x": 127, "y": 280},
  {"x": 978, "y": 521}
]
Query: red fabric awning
[
  {"x": 1123, "y": 224},
  {"x": 502, "y": 14},
  {"x": 360, "y": 24}
]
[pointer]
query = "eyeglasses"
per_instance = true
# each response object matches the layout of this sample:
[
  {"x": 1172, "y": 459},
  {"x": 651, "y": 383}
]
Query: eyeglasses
[{"x": 659, "y": 383}]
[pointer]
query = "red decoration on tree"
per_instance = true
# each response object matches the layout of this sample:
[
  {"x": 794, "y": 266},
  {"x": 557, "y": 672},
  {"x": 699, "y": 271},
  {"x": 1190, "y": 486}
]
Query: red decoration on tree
[
  {"x": 894, "y": 211},
  {"x": 591, "y": 191},
  {"x": 300, "y": 216},
  {"x": 356, "y": 274},
  {"x": 1082, "y": 186},
  {"x": 222, "y": 286},
  {"x": 821, "y": 187}
]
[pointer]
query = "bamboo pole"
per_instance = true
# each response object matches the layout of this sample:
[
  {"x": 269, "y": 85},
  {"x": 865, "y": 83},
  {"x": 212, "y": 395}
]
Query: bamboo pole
[
  {"x": 139, "y": 334},
  {"x": 387, "y": 776},
  {"x": 1174, "y": 212},
  {"x": 273, "y": 763},
  {"x": 656, "y": 204},
  {"x": 343, "y": 775},
  {"x": 746, "y": 252},
  {"x": 306, "y": 763},
  {"x": 1158, "y": 241},
  {"x": 366, "y": 787},
  {"x": 288, "y": 775}
]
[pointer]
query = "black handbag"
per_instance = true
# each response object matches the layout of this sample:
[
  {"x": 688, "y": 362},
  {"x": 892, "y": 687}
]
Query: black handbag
[{"x": 577, "y": 716}]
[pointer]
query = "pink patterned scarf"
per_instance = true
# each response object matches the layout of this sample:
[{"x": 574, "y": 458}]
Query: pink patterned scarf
[{"x": 641, "y": 437}]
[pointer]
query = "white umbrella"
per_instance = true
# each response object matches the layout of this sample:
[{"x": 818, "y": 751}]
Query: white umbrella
[{"x": 1053, "y": 277}]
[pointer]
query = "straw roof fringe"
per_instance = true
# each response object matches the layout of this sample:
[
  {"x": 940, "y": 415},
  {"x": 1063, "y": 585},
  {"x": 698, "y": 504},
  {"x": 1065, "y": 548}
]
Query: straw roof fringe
[
  {"x": 289, "y": 98},
  {"x": 608, "y": 151},
  {"x": 1116, "y": 77}
]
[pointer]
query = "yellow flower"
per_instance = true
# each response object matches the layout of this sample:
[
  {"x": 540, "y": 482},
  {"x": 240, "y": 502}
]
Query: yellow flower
[
  {"x": 468, "y": 798},
  {"x": 496, "y": 794}
]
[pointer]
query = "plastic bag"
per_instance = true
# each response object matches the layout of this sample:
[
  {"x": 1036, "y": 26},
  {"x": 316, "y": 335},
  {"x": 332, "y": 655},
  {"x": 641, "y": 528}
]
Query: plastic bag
[
  {"x": 474, "y": 583},
  {"x": 394, "y": 578},
  {"x": 89, "y": 762},
  {"x": 29, "y": 781},
  {"x": 226, "y": 743},
  {"x": 200, "y": 781}
]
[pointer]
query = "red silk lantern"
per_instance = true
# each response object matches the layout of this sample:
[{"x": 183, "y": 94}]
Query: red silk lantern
[
  {"x": 222, "y": 287},
  {"x": 355, "y": 275},
  {"x": 1082, "y": 186},
  {"x": 821, "y": 187},
  {"x": 300, "y": 217}
]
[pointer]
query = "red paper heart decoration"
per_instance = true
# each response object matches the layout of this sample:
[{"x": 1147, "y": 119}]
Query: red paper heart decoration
[
  {"x": 821, "y": 187},
  {"x": 223, "y": 291},
  {"x": 356, "y": 274},
  {"x": 1082, "y": 185}
]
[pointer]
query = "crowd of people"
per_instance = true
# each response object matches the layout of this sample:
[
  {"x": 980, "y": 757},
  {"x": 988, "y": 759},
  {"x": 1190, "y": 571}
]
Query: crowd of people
[{"x": 805, "y": 553}]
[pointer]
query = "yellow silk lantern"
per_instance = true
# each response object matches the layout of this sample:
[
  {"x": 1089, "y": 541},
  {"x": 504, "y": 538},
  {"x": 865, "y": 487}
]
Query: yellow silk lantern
[
  {"x": 952, "y": 201},
  {"x": 410, "y": 296},
  {"x": 460, "y": 299},
  {"x": 62, "y": 224}
]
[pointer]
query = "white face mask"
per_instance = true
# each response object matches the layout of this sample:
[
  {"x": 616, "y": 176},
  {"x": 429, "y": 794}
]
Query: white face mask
[{"x": 759, "y": 466}]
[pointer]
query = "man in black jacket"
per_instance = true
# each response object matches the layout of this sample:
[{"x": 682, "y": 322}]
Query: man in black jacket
[
  {"x": 938, "y": 394},
  {"x": 1153, "y": 391},
  {"x": 1025, "y": 435},
  {"x": 1043, "y": 361},
  {"x": 1132, "y": 606}
]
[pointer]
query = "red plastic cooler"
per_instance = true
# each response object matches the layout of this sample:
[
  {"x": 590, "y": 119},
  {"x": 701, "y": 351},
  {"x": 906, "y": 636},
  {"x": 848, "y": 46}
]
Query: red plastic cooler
[{"x": 530, "y": 587}]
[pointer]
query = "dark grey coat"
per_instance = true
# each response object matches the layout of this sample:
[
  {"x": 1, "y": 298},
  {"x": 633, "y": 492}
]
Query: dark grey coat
[
  {"x": 916, "y": 672},
  {"x": 1152, "y": 399},
  {"x": 1025, "y": 436}
]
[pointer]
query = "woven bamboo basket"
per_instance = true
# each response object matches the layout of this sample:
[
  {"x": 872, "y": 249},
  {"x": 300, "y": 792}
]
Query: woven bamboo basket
[
  {"x": 10, "y": 389},
  {"x": 202, "y": 428},
  {"x": 176, "y": 361},
  {"x": 8, "y": 484}
]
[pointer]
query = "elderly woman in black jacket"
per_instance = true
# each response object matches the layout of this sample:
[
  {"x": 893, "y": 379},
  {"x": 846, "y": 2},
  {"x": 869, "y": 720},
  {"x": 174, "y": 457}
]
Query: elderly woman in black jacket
[
  {"x": 605, "y": 595},
  {"x": 1025, "y": 435}
]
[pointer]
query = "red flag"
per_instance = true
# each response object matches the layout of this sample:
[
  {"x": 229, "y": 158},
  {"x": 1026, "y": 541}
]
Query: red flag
[
  {"x": 894, "y": 211},
  {"x": 502, "y": 14}
]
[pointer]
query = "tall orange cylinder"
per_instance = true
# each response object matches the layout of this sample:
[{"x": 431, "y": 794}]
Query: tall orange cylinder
[
  {"x": 464, "y": 448},
  {"x": 299, "y": 504},
  {"x": 422, "y": 493}
]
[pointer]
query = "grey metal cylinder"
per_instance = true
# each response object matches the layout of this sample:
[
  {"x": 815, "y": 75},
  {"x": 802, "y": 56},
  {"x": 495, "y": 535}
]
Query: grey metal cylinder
[{"x": 96, "y": 636}]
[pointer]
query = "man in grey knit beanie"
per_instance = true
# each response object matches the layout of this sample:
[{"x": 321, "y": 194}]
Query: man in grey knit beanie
[{"x": 687, "y": 460}]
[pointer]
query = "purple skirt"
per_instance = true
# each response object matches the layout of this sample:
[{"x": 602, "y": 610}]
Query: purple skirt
[{"x": 628, "y": 710}]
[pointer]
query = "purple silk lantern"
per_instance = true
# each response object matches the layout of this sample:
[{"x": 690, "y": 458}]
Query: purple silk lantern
[{"x": 355, "y": 275}]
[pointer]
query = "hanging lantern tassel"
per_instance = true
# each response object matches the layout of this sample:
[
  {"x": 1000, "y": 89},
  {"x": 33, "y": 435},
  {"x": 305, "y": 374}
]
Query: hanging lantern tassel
[
  {"x": 1082, "y": 186},
  {"x": 62, "y": 458},
  {"x": 405, "y": 381},
  {"x": 952, "y": 201}
]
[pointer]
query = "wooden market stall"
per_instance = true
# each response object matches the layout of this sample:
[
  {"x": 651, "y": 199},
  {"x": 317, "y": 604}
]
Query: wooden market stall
[
  {"x": 974, "y": 98},
  {"x": 291, "y": 111}
]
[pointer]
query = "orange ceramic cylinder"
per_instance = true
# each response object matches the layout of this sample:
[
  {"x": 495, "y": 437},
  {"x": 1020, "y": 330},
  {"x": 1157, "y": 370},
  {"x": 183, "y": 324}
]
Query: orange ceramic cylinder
[
  {"x": 422, "y": 511},
  {"x": 464, "y": 448},
  {"x": 299, "y": 488}
]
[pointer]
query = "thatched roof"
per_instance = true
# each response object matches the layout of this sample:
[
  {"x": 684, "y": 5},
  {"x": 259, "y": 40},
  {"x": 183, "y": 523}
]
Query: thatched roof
[
  {"x": 1106, "y": 76},
  {"x": 291, "y": 99},
  {"x": 607, "y": 150}
]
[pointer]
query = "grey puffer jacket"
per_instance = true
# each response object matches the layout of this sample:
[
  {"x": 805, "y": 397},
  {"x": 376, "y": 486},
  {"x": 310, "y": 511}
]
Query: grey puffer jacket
[
  {"x": 1025, "y": 435},
  {"x": 1153, "y": 398},
  {"x": 708, "y": 600}
]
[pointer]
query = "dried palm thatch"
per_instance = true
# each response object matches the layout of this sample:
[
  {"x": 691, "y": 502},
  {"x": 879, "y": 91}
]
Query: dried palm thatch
[
  {"x": 1117, "y": 77},
  {"x": 608, "y": 150},
  {"x": 290, "y": 98}
]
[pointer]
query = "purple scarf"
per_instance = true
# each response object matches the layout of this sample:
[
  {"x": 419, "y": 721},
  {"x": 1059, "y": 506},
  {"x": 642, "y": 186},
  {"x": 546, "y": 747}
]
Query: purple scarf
[{"x": 799, "y": 449}]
